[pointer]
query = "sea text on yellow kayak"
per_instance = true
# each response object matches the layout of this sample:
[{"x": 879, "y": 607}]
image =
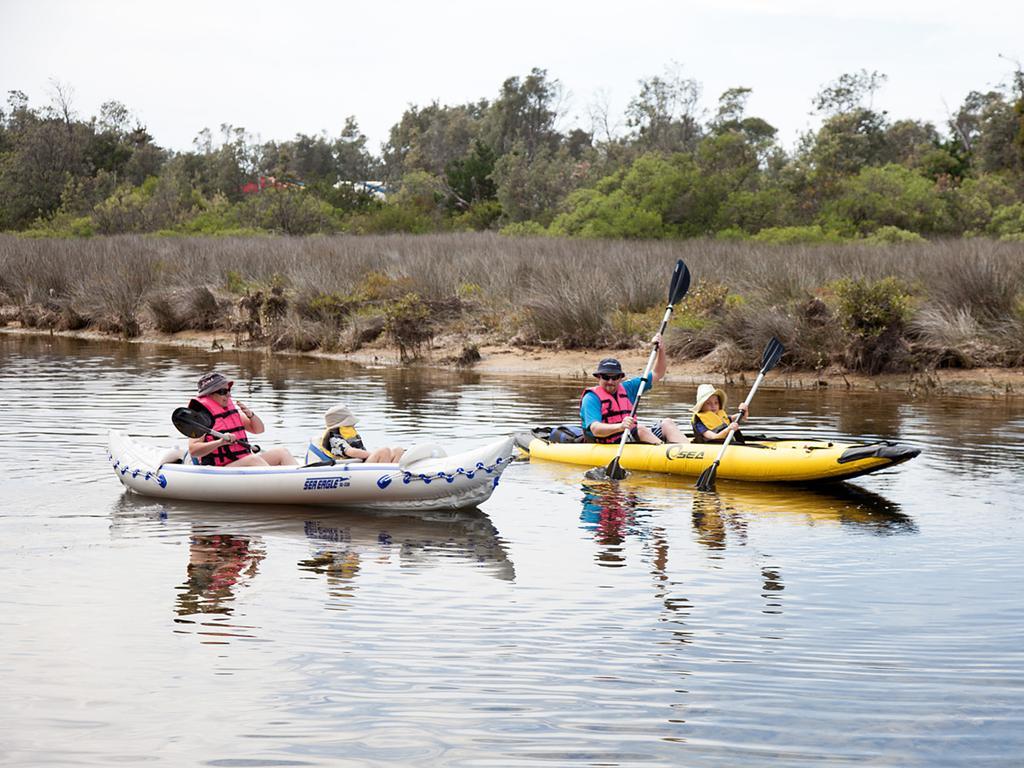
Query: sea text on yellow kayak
[{"x": 682, "y": 452}]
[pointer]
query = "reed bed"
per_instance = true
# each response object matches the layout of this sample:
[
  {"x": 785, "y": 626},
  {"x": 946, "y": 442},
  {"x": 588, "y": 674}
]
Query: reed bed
[{"x": 862, "y": 307}]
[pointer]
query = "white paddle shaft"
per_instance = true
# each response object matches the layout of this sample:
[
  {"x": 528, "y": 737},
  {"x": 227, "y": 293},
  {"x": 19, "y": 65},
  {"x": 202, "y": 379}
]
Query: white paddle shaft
[{"x": 643, "y": 381}]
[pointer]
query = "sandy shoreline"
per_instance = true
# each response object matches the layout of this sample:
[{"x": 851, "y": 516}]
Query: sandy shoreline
[{"x": 501, "y": 359}]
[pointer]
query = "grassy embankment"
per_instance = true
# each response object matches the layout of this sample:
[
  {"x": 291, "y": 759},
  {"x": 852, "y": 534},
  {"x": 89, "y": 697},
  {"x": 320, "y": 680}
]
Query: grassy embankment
[{"x": 866, "y": 309}]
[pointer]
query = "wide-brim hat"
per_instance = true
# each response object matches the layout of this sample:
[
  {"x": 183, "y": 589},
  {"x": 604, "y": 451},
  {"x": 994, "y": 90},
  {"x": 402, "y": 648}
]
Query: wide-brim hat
[
  {"x": 610, "y": 367},
  {"x": 339, "y": 416},
  {"x": 211, "y": 382},
  {"x": 705, "y": 391}
]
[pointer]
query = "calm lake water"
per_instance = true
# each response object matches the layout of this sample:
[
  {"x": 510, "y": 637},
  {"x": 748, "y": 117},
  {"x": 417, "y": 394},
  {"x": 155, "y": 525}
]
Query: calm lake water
[{"x": 877, "y": 623}]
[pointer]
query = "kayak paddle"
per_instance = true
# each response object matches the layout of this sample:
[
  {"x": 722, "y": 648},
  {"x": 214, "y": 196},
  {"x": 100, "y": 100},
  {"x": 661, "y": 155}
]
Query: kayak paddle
[
  {"x": 678, "y": 287},
  {"x": 195, "y": 424},
  {"x": 772, "y": 352}
]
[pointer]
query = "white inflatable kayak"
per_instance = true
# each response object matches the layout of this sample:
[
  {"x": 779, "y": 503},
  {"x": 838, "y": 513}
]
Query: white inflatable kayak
[{"x": 425, "y": 479}]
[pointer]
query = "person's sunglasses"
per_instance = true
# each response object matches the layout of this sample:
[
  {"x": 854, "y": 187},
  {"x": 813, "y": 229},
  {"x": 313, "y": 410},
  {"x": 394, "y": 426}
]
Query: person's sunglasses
[
  {"x": 606, "y": 377},
  {"x": 225, "y": 391}
]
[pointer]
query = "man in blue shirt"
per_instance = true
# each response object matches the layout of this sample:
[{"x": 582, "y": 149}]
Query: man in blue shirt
[{"x": 604, "y": 408}]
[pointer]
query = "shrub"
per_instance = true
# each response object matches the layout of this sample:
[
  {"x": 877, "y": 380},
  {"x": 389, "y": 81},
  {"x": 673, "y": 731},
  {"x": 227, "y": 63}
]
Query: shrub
[
  {"x": 874, "y": 314},
  {"x": 380, "y": 286},
  {"x": 731, "y": 233},
  {"x": 570, "y": 312},
  {"x": 324, "y": 307},
  {"x": 593, "y": 214},
  {"x": 947, "y": 337},
  {"x": 392, "y": 217},
  {"x": 166, "y": 316},
  {"x": 407, "y": 322},
  {"x": 812, "y": 234},
  {"x": 867, "y": 308},
  {"x": 362, "y": 329},
  {"x": 1008, "y": 221},
  {"x": 889, "y": 235},
  {"x": 481, "y": 215}
]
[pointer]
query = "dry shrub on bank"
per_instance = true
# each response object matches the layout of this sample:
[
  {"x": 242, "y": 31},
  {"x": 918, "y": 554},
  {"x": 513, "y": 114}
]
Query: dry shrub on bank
[
  {"x": 192, "y": 308},
  {"x": 362, "y": 330},
  {"x": 951, "y": 337},
  {"x": 561, "y": 308},
  {"x": 303, "y": 336}
]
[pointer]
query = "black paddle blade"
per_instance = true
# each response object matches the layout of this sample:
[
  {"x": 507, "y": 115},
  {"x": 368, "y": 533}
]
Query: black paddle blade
[
  {"x": 615, "y": 471},
  {"x": 191, "y": 423},
  {"x": 680, "y": 283},
  {"x": 706, "y": 481},
  {"x": 602, "y": 474},
  {"x": 772, "y": 353}
]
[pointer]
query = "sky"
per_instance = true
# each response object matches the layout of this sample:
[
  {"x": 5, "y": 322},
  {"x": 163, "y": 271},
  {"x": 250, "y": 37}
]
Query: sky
[{"x": 302, "y": 66}]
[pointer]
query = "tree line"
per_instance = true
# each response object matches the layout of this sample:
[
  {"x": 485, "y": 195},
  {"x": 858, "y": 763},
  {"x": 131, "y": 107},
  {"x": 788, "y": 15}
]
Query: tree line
[{"x": 673, "y": 170}]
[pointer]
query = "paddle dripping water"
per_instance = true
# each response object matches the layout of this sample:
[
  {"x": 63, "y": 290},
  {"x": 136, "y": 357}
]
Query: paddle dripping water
[{"x": 566, "y": 622}]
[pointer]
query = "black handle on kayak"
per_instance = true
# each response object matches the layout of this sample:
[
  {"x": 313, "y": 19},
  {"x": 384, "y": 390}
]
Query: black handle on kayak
[{"x": 195, "y": 424}]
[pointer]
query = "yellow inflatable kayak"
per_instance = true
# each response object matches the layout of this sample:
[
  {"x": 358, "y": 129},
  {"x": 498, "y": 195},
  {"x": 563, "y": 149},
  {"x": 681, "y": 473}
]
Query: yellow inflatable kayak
[{"x": 766, "y": 461}]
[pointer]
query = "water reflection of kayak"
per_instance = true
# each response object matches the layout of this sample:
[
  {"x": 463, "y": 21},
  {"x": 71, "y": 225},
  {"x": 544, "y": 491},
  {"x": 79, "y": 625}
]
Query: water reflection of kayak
[
  {"x": 841, "y": 503},
  {"x": 419, "y": 482},
  {"x": 336, "y": 537},
  {"x": 767, "y": 461}
]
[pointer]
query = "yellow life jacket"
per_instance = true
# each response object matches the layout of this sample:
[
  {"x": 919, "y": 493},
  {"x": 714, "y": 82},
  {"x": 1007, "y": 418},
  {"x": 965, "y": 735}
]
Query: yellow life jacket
[
  {"x": 348, "y": 434},
  {"x": 714, "y": 421}
]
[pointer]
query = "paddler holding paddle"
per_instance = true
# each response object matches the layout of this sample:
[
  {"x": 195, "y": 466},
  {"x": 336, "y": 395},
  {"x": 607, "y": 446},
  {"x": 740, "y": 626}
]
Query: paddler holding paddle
[
  {"x": 605, "y": 408},
  {"x": 230, "y": 419}
]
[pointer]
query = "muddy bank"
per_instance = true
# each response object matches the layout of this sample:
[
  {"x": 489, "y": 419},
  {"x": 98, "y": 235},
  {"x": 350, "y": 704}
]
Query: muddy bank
[{"x": 505, "y": 359}]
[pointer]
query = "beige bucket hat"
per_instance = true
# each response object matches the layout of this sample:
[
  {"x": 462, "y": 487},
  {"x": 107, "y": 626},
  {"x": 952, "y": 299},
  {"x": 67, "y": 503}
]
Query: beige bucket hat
[
  {"x": 339, "y": 416},
  {"x": 704, "y": 391}
]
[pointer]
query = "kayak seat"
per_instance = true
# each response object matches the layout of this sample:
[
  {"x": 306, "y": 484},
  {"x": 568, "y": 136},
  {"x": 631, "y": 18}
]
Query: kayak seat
[
  {"x": 421, "y": 452},
  {"x": 175, "y": 455}
]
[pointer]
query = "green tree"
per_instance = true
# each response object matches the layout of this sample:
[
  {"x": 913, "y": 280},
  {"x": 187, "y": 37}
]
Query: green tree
[
  {"x": 888, "y": 196},
  {"x": 469, "y": 178},
  {"x": 429, "y": 138},
  {"x": 524, "y": 115},
  {"x": 663, "y": 115},
  {"x": 848, "y": 92},
  {"x": 45, "y": 153},
  {"x": 531, "y": 187}
]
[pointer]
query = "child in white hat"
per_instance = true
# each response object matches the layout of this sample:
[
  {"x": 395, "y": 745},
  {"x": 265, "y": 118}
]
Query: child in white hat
[
  {"x": 341, "y": 442},
  {"x": 710, "y": 422}
]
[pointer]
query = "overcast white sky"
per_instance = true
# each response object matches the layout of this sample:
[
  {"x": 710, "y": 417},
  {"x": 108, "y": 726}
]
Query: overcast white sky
[{"x": 281, "y": 68}]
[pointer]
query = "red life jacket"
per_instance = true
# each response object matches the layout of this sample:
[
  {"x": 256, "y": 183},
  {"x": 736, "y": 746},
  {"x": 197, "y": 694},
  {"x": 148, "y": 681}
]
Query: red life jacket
[
  {"x": 227, "y": 420},
  {"x": 614, "y": 408}
]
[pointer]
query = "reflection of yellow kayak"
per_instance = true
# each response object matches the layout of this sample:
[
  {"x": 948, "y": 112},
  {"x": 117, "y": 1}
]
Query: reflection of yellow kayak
[
  {"x": 842, "y": 503},
  {"x": 771, "y": 461}
]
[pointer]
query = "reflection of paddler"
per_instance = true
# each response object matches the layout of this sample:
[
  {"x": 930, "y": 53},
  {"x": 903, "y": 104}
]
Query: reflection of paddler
[
  {"x": 217, "y": 563},
  {"x": 608, "y": 511}
]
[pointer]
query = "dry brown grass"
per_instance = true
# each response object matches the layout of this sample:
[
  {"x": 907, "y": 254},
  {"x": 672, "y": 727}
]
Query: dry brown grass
[{"x": 967, "y": 296}]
